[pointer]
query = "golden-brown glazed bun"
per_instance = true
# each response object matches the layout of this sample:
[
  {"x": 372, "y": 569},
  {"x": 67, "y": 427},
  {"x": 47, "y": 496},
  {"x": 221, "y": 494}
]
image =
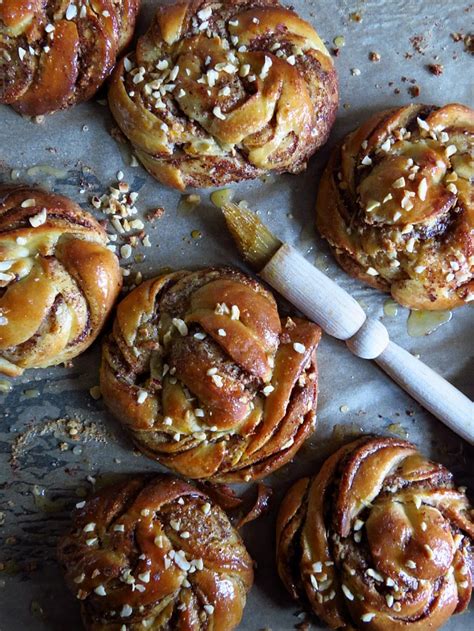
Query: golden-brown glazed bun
[
  {"x": 380, "y": 539},
  {"x": 156, "y": 554},
  {"x": 223, "y": 92},
  {"x": 58, "y": 280},
  {"x": 396, "y": 204},
  {"x": 206, "y": 377},
  {"x": 56, "y": 53}
]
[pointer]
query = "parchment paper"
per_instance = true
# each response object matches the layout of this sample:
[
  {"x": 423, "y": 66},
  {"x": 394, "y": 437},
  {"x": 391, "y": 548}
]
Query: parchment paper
[{"x": 38, "y": 490}]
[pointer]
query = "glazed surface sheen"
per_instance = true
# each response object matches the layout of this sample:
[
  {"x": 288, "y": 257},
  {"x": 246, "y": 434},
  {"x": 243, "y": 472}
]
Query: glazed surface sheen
[
  {"x": 223, "y": 92},
  {"x": 396, "y": 204},
  {"x": 380, "y": 539},
  {"x": 157, "y": 554},
  {"x": 56, "y": 53},
  {"x": 206, "y": 376},
  {"x": 58, "y": 280}
]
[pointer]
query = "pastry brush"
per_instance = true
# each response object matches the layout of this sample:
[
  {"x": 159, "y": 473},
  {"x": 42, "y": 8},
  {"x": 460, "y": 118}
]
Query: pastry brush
[{"x": 339, "y": 315}]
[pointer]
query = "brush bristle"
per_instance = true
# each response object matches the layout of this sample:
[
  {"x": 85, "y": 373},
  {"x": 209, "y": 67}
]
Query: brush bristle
[{"x": 254, "y": 240}]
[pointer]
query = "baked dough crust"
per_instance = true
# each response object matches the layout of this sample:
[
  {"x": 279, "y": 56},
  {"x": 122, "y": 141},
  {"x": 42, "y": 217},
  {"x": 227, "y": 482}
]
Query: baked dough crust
[
  {"x": 396, "y": 204},
  {"x": 56, "y": 53},
  {"x": 58, "y": 280},
  {"x": 155, "y": 553},
  {"x": 204, "y": 375},
  {"x": 380, "y": 539},
  {"x": 219, "y": 94}
]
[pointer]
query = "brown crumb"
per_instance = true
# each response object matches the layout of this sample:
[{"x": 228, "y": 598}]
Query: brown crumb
[
  {"x": 414, "y": 91},
  {"x": 336, "y": 51},
  {"x": 156, "y": 213},
  {"x": 457, "y": 37},
  {"x": 374, "y": 56},
  {"x": 356, "y": 16},
  {"x": 419, "y": 43},
  {"x": 396, "y": 91},
  {"x": 469, "y": 43},
  {"x": 436, "y": 69},
  {"x": 118, "y": 136}
]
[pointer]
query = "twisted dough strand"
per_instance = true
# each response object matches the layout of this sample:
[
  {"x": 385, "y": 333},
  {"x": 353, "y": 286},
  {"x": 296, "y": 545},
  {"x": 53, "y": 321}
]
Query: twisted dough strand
[
  {"x": 155, "y": 554},
  {"x": 56, "y": 53},
  {"x": 396, "y": 203},
  {"x": 58, "y": 280},
  {"x": 220, "y": 92},
  {"x": 380, "y": 539},
  {"x": 206, "y": 377}
]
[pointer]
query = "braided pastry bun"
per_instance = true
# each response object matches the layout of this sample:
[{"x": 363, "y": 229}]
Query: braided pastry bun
[
  {"x": 155, "y": 554},
  {"x": 220, "y": 92},
  {"x": 56, "y": 53},
  {"x": 207, "y": 379},
  {"x": 58, "y": 280},
  {"x": 396, "y": 204},
  {"x": 379, "y": 539}
]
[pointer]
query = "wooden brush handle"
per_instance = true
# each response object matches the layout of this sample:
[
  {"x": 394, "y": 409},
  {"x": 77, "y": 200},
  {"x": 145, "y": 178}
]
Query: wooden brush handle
[
  {"x": 323, "y": 301},
  {"x": 436, "y": 394}
]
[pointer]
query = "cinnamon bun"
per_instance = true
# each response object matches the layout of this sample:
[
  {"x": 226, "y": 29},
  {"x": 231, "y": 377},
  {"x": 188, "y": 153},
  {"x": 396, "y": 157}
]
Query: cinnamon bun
[
  {"x": 223, "y": 92},
  {"x": 380, "y": 539},
  {"x": 155, "y": 553},
  {"x": 207, "y": 378},
  {"x": 58, "y": 280},
  {"x": 396, "y": 204},
  {"x": 56, "y": 54}
]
